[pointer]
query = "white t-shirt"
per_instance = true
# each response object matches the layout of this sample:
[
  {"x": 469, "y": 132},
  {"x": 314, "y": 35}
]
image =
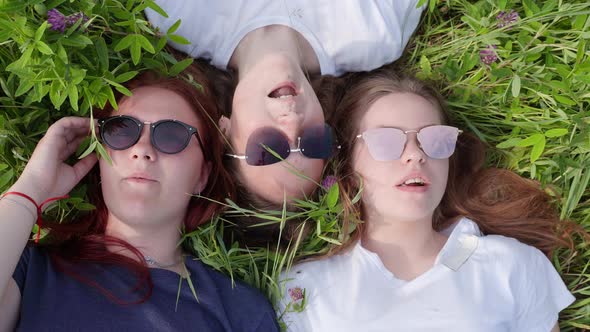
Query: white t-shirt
[
  {"x": 346, "y": 35},
  {"x": 478, "y": 283}
]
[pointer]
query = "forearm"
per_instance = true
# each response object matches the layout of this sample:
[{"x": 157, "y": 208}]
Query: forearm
[{"x": 17, "y": 217}]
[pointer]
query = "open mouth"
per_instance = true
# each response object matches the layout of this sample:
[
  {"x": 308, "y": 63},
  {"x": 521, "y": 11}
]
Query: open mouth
[
  {"x": 414, "y": 182},
  {"x": 285, "y": 91}
]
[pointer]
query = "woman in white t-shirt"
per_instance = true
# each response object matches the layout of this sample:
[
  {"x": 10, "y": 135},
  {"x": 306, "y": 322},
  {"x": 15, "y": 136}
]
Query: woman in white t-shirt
[
  {"x": 442, "y": 246},
  {"x": 274, "y": 47}
]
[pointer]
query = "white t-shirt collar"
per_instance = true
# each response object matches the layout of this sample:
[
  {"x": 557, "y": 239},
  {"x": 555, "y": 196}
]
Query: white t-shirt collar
[{"x": 461, "y": 244}]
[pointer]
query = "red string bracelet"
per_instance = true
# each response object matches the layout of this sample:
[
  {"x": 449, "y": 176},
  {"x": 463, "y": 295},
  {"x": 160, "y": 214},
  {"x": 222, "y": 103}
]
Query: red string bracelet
[{"x": 39, "y": 207}]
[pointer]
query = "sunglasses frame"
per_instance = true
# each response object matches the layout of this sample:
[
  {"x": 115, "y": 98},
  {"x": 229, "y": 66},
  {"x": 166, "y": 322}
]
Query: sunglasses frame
[
  {"x": 405, "y": 132},
  {"x": 191, "y": 130},
  {"x": 297, "y": 149}
]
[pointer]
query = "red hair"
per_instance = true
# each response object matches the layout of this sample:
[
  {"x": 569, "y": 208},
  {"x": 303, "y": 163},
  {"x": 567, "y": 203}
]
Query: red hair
[{"x": 84, "y": 241}]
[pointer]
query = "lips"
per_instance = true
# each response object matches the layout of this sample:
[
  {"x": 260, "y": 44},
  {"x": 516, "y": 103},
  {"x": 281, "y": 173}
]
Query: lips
[
  {"x": 283, "y": 91},
  {"x": 414, "y": 179},
  {"x": 140, "y": 177}
]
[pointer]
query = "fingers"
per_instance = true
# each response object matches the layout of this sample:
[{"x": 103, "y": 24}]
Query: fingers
[
  {"x": 71, "y": 122},
  {"x": 62, "y": 133},
  {"x": 74, "y": 133},
  {"x": 71, "y": 147},
  {"x": 67, "y": 128},
  {"x": 63, "y": 125},
  {"x": 84, "y": 166}
]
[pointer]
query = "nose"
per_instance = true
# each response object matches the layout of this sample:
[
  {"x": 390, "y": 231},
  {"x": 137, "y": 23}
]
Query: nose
[
  {"x": 292, "y": 126},
  {"x": 413, "y": 152},
  {"x": 143, "y": 149}
]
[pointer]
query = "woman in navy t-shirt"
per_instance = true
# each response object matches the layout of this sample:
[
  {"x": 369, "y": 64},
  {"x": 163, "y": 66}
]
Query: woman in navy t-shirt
[{"x": 119, "y": 267}]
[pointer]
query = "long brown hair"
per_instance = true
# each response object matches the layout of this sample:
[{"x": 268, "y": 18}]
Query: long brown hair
[
  {"x": 84, "y": 241},
  {"x": 498, "y": 200}
]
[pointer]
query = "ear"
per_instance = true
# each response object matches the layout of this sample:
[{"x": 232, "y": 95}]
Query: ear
[
  {"x": 203, "y": 177},
  {"x": 225, "y": 125}
]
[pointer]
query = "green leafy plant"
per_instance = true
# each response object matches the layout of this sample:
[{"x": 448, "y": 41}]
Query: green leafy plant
[
  {"x": 516, "y": 73},
  {"x": 67, "y": 60}
]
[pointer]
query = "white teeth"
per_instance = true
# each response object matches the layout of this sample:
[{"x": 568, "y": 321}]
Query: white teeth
[
  {"x": 285, "y": 96},
  {"x": 414, "y": 180}
]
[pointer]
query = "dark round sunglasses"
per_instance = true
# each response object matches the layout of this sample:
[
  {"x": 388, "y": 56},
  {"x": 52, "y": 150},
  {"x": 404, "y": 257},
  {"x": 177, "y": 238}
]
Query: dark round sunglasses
[
  {"x": 269, "y": 145},
  {"x": 168, "y": 136}
]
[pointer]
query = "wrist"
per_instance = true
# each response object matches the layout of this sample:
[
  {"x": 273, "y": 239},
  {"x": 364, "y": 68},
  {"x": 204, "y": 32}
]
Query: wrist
[{"x": 30, "y": 190}]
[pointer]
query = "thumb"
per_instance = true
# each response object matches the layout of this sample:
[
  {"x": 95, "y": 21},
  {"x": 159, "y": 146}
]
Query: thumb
[{"x": 82, "y": 167}]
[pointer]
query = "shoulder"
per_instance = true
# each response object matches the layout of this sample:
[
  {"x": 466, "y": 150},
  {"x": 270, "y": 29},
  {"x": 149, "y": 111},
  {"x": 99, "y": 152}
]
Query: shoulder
[
  {"x": 505, "y": 250},
  {"x": 538, "y": 290},
  {"x": 496, "y": 255},
  {"x": 246, "y": 305},
  {"x": 34, "y": 262},
  {"x": 492, "y": 248},
  {"x": 326, "y": 268},
  {"x": 308, "y": 281}
]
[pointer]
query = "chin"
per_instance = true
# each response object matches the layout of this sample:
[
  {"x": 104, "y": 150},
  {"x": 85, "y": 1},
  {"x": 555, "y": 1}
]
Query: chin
[
  {"x": 278, "y": 195},
  {"x": 409, "y": 214}
]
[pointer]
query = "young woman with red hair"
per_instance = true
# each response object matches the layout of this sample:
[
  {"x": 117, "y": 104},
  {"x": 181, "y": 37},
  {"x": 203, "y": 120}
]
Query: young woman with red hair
[
  {"x": 118, "y": 268},
  {"x": 445, "y": 244}
]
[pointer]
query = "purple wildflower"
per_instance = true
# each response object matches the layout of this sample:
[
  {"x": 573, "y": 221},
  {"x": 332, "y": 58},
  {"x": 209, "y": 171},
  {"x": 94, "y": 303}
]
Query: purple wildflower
[
  {"x": 505, "y": 19},
  {"x": 329, "y": 181},
  {"x": 72, "y": 19},
  {"x": 296, "y": 294},
  {"x": 488, "y": 55},
  {"x": 60, "y": 23},
  {"x": 57, "y": 20}
]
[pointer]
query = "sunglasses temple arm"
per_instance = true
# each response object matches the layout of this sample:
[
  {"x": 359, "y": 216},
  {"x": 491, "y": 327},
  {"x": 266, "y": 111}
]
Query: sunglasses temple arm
[
  {"x": 235, "y": 156},
  {"x": 199, "y": 140}
]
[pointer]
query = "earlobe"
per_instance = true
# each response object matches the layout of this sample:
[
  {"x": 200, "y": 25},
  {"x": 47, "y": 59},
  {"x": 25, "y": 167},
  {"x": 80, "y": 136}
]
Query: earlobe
[{"x": 225, "y": 125}]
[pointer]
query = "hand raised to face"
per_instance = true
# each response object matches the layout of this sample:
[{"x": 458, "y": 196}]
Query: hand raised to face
[{"x": 46, "y": 174}]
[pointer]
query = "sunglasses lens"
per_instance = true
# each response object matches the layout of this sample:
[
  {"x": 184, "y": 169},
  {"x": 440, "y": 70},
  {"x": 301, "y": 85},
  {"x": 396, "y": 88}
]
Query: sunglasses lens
[
  {"x": 438, "y": 142},
  {"x": 262, "y": 142},
  {"x": 318, "y": 142},
  {"x": 385, "y": 144},
  {"x": 170, "y": 137},
  {"x": 119, "y": 133}
]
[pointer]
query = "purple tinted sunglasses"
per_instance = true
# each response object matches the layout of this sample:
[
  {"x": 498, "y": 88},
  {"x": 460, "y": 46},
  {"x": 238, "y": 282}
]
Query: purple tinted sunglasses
[
  {"x": 168, "y": 136},
  {"x": 268, "y": 145}
]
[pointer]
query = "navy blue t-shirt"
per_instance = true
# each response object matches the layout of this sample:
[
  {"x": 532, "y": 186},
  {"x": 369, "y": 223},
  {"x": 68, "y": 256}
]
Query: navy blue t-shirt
[{"x": 53, "y": 301}]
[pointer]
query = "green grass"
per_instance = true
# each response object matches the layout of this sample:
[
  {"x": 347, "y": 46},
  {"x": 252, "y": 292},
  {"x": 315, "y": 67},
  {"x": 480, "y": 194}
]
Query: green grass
[{"x": 531, "y": 105}]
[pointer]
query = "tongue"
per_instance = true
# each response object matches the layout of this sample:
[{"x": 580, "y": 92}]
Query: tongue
[{"x": 283, "y": 91}]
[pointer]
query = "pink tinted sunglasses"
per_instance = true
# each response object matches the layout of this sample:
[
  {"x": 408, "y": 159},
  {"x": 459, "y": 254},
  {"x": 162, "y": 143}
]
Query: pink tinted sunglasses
[{"x": 386, "y": 143}]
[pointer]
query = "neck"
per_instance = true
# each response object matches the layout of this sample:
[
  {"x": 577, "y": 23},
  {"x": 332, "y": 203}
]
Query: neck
[
  {"x": 270, "y": 40},
  {"x": 158, "y": 240},
  {"x": 407, "y": 248}
]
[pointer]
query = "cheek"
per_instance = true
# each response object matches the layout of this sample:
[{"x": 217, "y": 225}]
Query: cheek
[
  {"x": 107, "y": 182},
  {"x": 185, "y": 172},
  {"x": 246, "y": 101},
  {"x": 442, "y": 172},
  {"x": 274, "y": 181},
  {"x": 371, "y": 170},
  {"x": 106, "y": 171}
]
